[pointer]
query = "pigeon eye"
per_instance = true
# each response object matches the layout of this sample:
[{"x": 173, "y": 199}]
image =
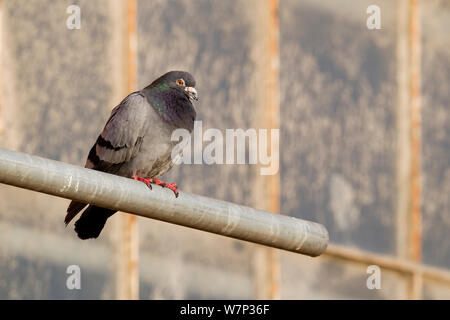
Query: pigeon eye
[{"x": 180, "y": 82}]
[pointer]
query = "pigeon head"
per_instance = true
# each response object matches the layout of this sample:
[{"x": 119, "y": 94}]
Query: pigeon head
[
  {"x": 181, "y": 81},
  {"x": 171, "y": 95}
]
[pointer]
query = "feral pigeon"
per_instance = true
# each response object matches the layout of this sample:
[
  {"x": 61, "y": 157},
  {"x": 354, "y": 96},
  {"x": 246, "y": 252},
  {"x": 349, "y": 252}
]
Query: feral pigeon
[{"x": 136, "y": 141}]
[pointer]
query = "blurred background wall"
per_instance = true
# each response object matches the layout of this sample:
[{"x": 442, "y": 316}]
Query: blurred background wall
[{"x": 339, "y": 87}]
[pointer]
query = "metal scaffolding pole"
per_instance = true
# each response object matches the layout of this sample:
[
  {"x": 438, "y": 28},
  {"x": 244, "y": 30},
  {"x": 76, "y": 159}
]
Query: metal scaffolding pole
[
  {"x": 409, "y": 171},
  {"x": 416, "y": 132},
  {"x": 267, "y": 264},
  {"x": 122, "y": 194},
  {"x": 415, "y": 235},
  {"x": 127, "y": 254}
]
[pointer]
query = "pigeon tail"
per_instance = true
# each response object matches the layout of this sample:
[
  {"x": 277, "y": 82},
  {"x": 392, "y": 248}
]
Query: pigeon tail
[
  {"x": 92, "y": 222},
  {"x": 72, "y": 210}
]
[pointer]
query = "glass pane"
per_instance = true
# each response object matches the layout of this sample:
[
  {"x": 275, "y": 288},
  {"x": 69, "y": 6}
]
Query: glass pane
[
  {"x": 436, "y": 133},
  {"x": 436, "y": 290},
  {"x": 200, "y": 37},
  {"x": 55, "y": 97},
  {"x": 337, "y": 113},
  {"x": 181, "y": 263},
  {"x": 328, "y": 278}
]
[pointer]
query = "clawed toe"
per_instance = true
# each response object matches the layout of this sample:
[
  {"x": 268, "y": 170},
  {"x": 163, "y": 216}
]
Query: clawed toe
[
  {"x": 173, "y": 187},
  {"x": 149, "y": 181}
]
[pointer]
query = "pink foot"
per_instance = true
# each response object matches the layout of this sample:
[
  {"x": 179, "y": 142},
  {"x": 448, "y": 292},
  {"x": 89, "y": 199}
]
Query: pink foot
[{"x": 149, "y": 181}]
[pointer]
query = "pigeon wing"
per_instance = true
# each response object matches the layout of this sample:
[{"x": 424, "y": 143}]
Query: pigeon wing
[{"x": 121, "y": 139}]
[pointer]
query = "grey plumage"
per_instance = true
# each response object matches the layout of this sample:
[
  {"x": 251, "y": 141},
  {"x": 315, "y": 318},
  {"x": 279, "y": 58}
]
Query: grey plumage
[{"x": 136, "y": 140}]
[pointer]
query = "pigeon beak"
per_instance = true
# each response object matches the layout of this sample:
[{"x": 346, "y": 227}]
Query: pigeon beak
[{"x": 192, "y": 93}]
